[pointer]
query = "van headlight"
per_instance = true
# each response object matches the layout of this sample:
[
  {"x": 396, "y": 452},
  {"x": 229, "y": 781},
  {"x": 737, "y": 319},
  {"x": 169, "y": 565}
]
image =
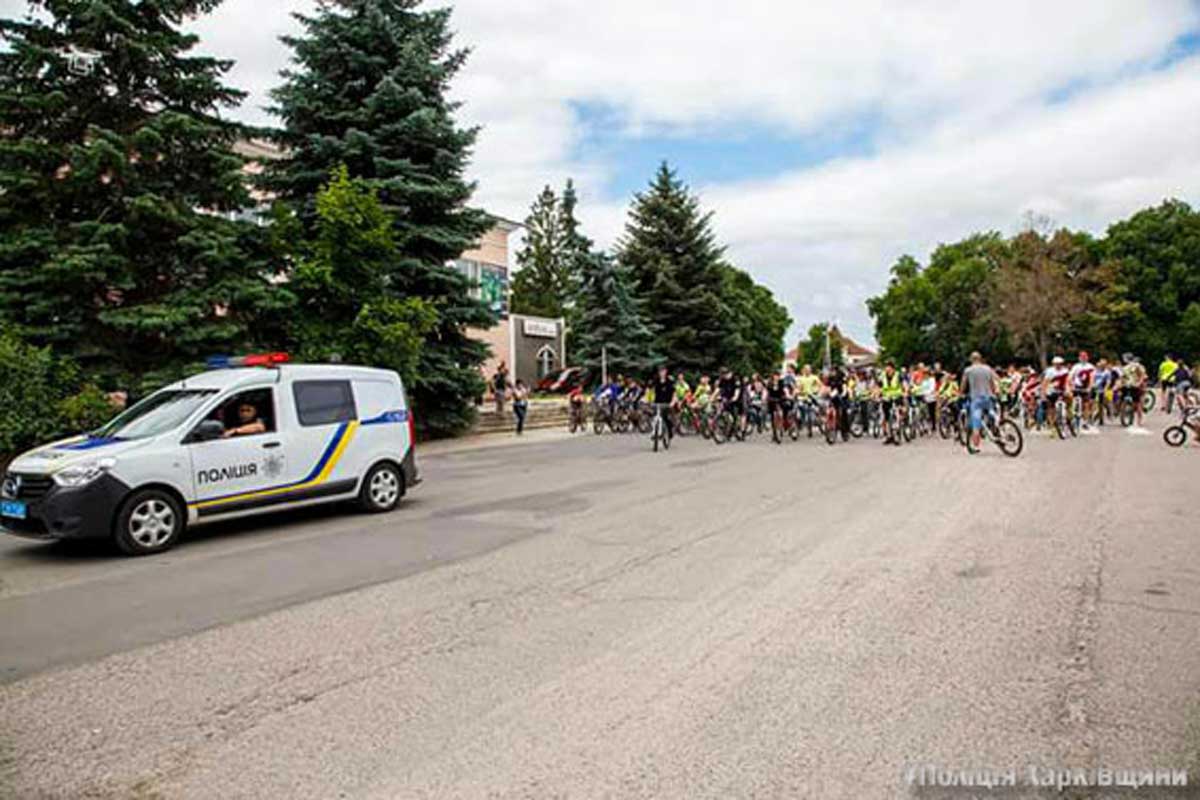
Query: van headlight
[{"x": 82, "y": 474}]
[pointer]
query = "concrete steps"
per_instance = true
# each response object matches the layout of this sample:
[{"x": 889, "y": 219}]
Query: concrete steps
[{"x": 542, "y": 414}]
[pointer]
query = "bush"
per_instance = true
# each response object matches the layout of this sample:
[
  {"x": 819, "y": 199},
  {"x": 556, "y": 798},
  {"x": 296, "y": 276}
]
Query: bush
[
  {"x": 87, "y": 410},
  {"x": 42, "y": 397}
]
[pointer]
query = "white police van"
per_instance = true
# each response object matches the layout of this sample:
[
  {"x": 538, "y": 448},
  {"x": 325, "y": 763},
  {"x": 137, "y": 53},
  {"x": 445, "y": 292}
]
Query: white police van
[{"x": 258, "y": 434}]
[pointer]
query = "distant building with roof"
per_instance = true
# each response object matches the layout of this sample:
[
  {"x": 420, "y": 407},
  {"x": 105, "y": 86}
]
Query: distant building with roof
[{"x": 855, "y": 354}]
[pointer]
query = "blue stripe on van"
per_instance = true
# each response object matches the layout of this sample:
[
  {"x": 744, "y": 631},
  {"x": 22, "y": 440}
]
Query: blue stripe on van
[{"x": 388, "y": 418}]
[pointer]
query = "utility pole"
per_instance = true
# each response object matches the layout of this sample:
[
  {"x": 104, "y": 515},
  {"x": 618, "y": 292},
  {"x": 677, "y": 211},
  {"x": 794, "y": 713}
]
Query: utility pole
[
  {"x": 604, "y": 364},
  {"x": 828, "y": 349}
]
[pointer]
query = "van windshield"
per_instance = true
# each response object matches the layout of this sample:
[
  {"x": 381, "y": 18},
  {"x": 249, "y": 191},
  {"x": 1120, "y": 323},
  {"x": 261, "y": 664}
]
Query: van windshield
[{"x": 158, "y": 413}]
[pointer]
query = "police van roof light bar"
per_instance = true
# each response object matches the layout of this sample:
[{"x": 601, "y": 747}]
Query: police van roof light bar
[{"x": 255, "y": 360}]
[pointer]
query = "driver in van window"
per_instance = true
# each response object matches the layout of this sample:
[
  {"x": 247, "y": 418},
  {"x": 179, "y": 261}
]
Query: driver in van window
[{"x": 249, "y": 422}]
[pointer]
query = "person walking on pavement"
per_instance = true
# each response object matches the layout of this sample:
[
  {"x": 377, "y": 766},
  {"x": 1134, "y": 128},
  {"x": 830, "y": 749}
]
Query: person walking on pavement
[
  {"x": 981, "y": 385},
  {"x": 520, "y": 404},
  {"x": 500, "y": 386}
]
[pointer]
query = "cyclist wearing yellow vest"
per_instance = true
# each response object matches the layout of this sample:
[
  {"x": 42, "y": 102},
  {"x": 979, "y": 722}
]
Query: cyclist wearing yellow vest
[
  {"x": 891, "y": 391},
  {"x": 1167, "y": 371}
]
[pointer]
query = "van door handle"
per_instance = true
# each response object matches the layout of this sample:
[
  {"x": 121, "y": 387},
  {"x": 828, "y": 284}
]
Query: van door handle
[{"x": 270, "y": 445}]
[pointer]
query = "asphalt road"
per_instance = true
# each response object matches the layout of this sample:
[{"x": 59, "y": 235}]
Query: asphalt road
[{"x": 586, "y": 618}]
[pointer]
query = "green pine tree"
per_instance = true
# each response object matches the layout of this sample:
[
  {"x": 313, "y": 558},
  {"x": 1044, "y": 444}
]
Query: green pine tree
[
  {"x": 118, "y": 183},
  {"x": 553, "y": 259},
  {"x": 611, "y": 322},
  {"x": 671, "y": 252},
  {"x": 578, "y": 255},
  {"x": 367, "y": 89},
  {"x": 538, "y": 287}
]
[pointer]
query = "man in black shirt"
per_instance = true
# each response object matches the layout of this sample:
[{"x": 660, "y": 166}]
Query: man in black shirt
[
  {"x": 730, "y": 390},
  {"x": 836, "y": 381},
  {"x": 664, "y": 397}
]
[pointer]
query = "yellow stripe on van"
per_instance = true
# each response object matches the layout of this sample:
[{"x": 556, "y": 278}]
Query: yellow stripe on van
[{"x": 345, "y": 435}]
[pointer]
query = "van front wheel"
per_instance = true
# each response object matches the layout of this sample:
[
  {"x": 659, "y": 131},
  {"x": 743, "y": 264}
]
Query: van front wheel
[
  {"x": 382, "y": 489},
  {"x": 150, "y": 521}
]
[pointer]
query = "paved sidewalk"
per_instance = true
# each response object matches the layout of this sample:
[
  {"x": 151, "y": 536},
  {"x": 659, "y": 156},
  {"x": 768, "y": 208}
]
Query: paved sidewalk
[{"x": 484, "y": 441}]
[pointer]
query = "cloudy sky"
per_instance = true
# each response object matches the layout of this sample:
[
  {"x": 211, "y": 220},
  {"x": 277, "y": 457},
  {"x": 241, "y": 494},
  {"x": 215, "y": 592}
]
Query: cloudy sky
[{"x": 828, "y": 137}]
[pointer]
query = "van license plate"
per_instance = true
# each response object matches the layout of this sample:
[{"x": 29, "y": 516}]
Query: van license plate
[{"x": 11, "y": 508}]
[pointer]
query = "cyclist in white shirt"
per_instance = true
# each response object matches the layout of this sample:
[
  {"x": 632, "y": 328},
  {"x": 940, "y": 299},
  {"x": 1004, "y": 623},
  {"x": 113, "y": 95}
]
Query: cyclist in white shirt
[{"x": 1083, "y": 384}]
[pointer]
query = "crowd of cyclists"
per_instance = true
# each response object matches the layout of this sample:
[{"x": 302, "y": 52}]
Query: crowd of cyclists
[{"x": 896, "y": 404}]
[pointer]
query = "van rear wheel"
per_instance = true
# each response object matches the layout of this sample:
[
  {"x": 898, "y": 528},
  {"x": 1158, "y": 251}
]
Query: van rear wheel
[
  {"x": 382, "y": 489},
  {"x": 151, "y": 521}
]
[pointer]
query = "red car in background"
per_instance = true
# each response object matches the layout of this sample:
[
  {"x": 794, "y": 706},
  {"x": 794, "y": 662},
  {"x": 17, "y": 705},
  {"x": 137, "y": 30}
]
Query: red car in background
[{"x": 563, "y": 382}]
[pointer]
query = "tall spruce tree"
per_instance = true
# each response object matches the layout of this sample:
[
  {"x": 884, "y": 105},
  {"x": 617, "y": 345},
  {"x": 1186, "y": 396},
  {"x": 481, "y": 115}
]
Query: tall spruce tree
[
  {"x": 553, "y": 260},
  {"x": 611, "y": 322},
  {"x": 579, "y": 255},
  {"x": 367, "y": 89},
  {"x": 538, "y": 288},
  {"x": 671, "y": 253},
  {"x": 117, "y": 177}
]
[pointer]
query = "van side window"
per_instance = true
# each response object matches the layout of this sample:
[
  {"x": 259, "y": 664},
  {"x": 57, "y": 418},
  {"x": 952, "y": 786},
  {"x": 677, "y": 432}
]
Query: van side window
[
  {"x": 246, "y": 413},
  {"x": 324, "y": 402}
]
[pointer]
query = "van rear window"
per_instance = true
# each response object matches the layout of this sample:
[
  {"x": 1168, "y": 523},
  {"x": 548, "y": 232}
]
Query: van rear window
[{"x": 324, "y": 402}]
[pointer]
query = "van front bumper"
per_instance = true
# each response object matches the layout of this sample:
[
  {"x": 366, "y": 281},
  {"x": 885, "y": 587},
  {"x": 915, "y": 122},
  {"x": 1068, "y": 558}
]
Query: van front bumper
[{"x": 85, "y": 512}]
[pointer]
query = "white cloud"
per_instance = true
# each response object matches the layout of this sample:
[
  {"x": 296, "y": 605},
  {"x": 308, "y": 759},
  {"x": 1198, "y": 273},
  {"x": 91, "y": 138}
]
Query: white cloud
[
  {"x": 966, "y": 137},
  {"x": 825, "y": 237}
]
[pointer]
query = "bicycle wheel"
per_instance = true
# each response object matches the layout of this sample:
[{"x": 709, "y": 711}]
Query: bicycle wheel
[
  {"x": 598, "y": 424},
  {"x": 830, "y": 426},
  {"x": 776, "y": 421},
  {"x": 1127, "y": 412},
  {"x": 1149, "y": 399},
  {"x": 1175, "y": 436},
  {"x": 1008, "y": 437}
]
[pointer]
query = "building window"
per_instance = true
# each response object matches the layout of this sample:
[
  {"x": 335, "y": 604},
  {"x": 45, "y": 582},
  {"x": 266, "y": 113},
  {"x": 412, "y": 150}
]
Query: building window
[
  {"x": 489, "y": 283},
  {"x": 547, "y": 361}
]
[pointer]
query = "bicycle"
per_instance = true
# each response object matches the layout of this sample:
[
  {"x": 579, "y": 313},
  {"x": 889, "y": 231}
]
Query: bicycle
[
  {"x": 896, "y": 423},
  {"x": 806, "y": 415},
  {"x": 1004, "y": 433},
  {"x": 577, "y": 416},
  {"x": 831, "y": 421},
  {"x": 658, "y": 428},
  {"x": 603, "y": 414},
  {"x": 783, "y": 421},
  {"x": 687, "y": 420},
  {"x": 1064, "y": 423},
  {"x": 1076, "y": 411},
  {"x": 1177, "y": 435},
  {"x": 756, "y": 417},
  {"x": 1128, "y": 406}
]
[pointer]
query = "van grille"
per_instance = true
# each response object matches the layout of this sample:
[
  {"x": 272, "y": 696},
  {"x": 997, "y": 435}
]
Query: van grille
[{"x": 27, "y": 487}]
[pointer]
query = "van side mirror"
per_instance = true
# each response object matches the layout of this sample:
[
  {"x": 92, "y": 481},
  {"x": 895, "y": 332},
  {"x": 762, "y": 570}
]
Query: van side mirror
[{"x": 206, "y": 431}]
